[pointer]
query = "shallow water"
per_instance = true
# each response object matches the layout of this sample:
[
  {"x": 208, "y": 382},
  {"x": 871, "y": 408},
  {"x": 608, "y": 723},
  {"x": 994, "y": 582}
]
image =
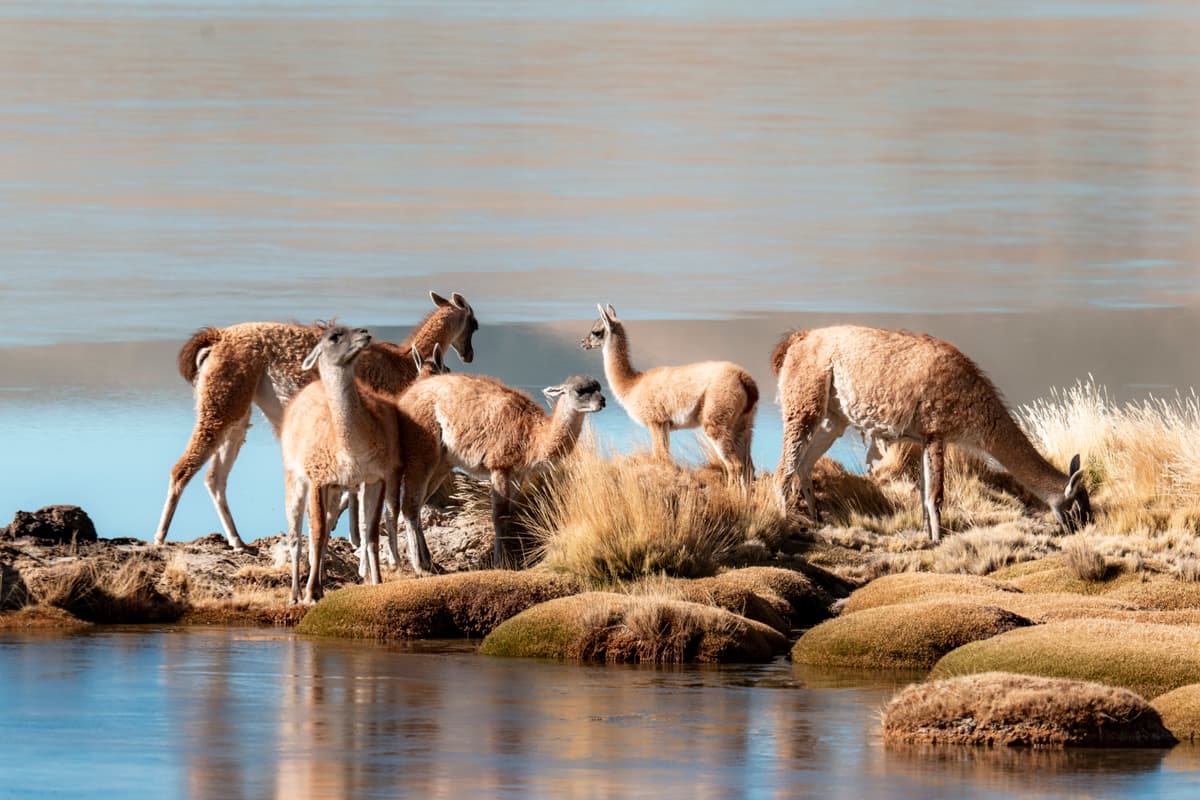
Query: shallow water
[{"x": 258, "y": 713}]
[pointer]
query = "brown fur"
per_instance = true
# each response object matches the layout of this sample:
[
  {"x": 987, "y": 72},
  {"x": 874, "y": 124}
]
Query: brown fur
[
  {"x": 895, "y": 385},
  {"x": 187, "y": 361},
  {"x": 488, "y": 429},
  {"x": 718, "y": 397},
  {"x": 336, "y": 434},
  {"x": 259, "y": 363}
]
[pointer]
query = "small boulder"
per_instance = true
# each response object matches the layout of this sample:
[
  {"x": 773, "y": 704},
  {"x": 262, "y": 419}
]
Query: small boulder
[{"x": 56, "y": 524}]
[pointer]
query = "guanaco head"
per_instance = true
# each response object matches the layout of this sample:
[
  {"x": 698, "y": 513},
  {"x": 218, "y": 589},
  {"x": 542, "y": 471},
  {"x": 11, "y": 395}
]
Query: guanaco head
[
  {"x": 1074, "y": 509},
  {"x": 434, "y": 365},
  {"x": 602, "y": 329},
  {"x": 581, "y": 392},
  {"x": 464, "y": 315},
  {"x": 339, "y": 346}
]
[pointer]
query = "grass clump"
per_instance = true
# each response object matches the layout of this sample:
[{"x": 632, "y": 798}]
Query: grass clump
[
  {"x": 609, "y": 521},
  {"x": 908, "y": 636},
  {"x": 442, "y": 606},
  {"x": 127, "y": 594},
  {"x": 38, "y": 617},
  {"x": 1142, "y": 460},
  {"x": 609, "y": 627},
  {"x": 1145, "y": 658},
  {"x": 1180, "y": 711},
  {"x": 997, "y": 708}
]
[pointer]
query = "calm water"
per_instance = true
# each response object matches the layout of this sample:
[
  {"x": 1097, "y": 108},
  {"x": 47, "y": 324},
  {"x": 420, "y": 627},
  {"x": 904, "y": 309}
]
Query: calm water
[
  {"x": 231, "y": 714},
  {"x": 1021, "y": 178}
]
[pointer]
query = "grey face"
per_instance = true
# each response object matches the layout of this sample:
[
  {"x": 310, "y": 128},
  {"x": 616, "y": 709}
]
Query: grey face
[
  {"x": 340, "y": 344},
  {"x": 581, "y": 391},
  {"x": 462, "y": 345},
  {"x": 595, "y": 338}
]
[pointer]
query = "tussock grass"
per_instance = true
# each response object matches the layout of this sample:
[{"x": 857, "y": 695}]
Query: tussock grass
[
  {"x": 128, "y": 594},
  {"x": 13, "y": 592},
  {"x": 979, "y": 551},
  {"x": 905, "y": 636},
  {"x": 442, "y": 606},
  {"x": 609, "y": 627},
  {"x": 1180, "y": 711},
  {"x": 909, "y": 587},
  {"x": 1144, "y": 658},
  {"x": 1142, "y": 460},
  {"x": 997, "y": 708},
  {"x": 613, "y": 520}
]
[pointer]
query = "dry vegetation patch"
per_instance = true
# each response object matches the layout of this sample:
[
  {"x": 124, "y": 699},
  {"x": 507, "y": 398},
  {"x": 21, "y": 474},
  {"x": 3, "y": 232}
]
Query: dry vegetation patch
[
  {"x": 1160, "y": 593},
  {"x": 997, "y": 708},
  {"x": 40, "y": 618},
  {"x": 904, "y": 636},
  {"x": 609, "y": 521},
  {"x": 126, "y": 592},
  {"x": 908, "y": 587},
  {"x": 1146, "y": 658},
  {"x": 459, "y": 604},
  {"x": 603, "y": 626},
  {"x": 1180, "y": 711}
]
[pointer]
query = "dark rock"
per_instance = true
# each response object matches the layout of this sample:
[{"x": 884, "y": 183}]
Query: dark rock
[{"x": 63, "y": 524}]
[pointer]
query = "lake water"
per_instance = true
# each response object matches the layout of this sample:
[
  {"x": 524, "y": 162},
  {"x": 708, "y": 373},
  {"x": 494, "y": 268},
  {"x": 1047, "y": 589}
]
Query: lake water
[
  {"x": 1021, "y": 178},
  {"x": 253, "y": 713}
]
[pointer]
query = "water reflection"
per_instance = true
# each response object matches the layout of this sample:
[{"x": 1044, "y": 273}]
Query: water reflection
[{"x": 233, "y": 714}]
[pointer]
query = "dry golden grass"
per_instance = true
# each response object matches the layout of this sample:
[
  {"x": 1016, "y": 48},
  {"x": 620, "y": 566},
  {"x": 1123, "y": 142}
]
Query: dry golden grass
[
  {"x": 905, "y": 636},
  {"x": 459, "y": 604},
  {"x": 1160, "y": 593},
  {"x": 1180, "y": 711},
  {"x": 613, "y": 520},
  {"x": 1142, "y": 459},
  {"x": 128, "y": 594},
  {"x": 997, "y": 708},
  {"x": 1144, "y": 658},
  {"x": 603, "y": 626}
]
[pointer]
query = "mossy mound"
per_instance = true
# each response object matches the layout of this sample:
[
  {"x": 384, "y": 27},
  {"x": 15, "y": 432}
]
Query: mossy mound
[
  {"x": 1059, "y": 579},
  {"x": 1180, "y": 711},
  {"x": 40, "y": 618},
  {"x": 1144, "y": 658},
  {"x": 796, "y": 595},
  {"x": 601, "y": 626},
  {"x": 442, "y": 606},
  {"x": 998, "y": 708},
  {"x": 908, "y": 587},
  {"x": 741, "y": 600},
  {"x": 1045, "y": 607},
  {"x": 905, "y": 636},
  {"x": 1161, "y": 593},
  {"x": 1024, "y": 568}
]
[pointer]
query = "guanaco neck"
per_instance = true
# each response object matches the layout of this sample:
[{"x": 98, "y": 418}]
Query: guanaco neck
[
  {"x": 620, "y": 373},
  {"x": 438, "y": 327},
  {"x": 558, "y": 435},
  {"x": 1009, "y": 445},
  {"x": 346, "y": 408}
]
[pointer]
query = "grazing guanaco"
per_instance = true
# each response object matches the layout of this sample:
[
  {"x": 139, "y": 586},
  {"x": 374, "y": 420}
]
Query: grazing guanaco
[
  {"x": 896, "y": 385},
  {"x": 336, "y": 435},
  {"x": 487, "y": 429},
  {"x": 718, "y": 397},
  {"x": 260, "y": 363}
]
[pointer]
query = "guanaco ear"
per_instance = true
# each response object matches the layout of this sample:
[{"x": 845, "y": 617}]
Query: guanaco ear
[
  {"x": 311, "y": 358},
  {"x": 460, "y": 302},
  {"x": 438, "y": 300},
  {"x": 438, "y": 364},
  {"x": 416, "y": 357},
  {"x": 1075, "y": 482},
  {"x": 612, "y": 313},
  {"x": 604, "y": 320},
  {"x": 553, "y": 392}
]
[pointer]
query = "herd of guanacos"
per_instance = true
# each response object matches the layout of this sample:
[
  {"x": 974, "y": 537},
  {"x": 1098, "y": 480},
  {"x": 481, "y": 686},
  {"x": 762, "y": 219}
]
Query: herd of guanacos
[{"x": 376, "y": 427}]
